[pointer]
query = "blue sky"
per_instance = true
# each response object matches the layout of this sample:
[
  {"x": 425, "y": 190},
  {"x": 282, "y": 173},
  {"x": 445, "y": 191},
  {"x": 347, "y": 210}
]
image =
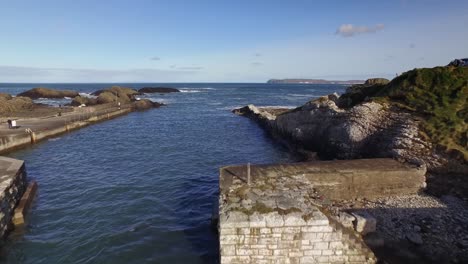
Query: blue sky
[{"x": 225, "y": 41}]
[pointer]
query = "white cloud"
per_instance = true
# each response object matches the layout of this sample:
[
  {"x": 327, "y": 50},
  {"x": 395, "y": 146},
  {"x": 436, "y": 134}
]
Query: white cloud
[
  {"x": 155, "y": 58},
  {"x": 33, "y": 74},
  {"x": 349, "y": 30},
  {"x": 190, "y": 68}
]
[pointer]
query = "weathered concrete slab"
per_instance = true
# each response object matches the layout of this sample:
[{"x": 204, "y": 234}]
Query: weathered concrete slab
[{"x": 341, "y": 179}]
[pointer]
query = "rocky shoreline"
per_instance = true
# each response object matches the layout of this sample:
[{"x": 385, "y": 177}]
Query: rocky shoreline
[{"x": 376, "y": 120}]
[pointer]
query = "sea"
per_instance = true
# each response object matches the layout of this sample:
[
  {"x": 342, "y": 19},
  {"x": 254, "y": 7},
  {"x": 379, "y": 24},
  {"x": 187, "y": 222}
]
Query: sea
[{"x": 142, "y": 188}]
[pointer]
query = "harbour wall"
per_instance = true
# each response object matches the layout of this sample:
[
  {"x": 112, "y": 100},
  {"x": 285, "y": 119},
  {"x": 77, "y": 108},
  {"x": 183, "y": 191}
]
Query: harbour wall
[
  {"x": 13, "y": 184},
  {"x": 25, "y": 138}
]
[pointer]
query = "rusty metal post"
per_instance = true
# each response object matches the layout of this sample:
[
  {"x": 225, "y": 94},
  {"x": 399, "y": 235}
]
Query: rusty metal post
[{"x": 249, "y": 180}]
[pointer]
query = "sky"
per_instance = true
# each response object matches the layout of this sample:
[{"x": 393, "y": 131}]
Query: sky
[{"x": 225, "y": 41}]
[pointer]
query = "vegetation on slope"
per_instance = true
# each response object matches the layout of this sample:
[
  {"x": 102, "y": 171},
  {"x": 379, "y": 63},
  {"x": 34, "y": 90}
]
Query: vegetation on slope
[{"x": 439, "y": 95}]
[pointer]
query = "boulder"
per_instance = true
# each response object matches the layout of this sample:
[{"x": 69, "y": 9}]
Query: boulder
[
  {"x": 80, "y": 100},
  {"x": 14, "y": 104},
  {"x": 144, "y": 104},
  {"x": 107, "y": 97},
  {"x": 5, "y": 96},
  {"x": 158, "y": 90},
  {"x": 364, "y": 223},
  {"x": 115, "y": 94},
  {"x": 48, "y": 93}
]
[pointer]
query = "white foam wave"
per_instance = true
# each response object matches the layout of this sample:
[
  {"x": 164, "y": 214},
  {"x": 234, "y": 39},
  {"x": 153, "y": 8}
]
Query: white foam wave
[
  {"x": 159, "y": 100},
  {"x": 88, "y": 95},
  {"x": 230, "y": 108},
  {"x": 301, "y": 95},
  {"x": 52, "y": 102},
  {"x": 277, "y": 106},
  {"x": 195, "y": 90}
]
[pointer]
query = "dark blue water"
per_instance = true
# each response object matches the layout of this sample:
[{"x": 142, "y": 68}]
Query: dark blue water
[{"x": 141, "y": 188}]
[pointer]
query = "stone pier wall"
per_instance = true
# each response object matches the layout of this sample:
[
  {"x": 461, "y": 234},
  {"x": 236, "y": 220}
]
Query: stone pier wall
[
  {"x": 12, "y": 186},
  {"x": 276, "y": 219},
  {"x": 292, "y": 238}
]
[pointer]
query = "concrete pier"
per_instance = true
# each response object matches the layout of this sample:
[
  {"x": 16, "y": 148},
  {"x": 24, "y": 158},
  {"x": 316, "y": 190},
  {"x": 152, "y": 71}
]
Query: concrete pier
[{"x": 34, "y": 130}]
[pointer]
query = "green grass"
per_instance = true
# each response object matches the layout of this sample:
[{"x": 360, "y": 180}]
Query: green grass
[{"x": 439, "y": 95}]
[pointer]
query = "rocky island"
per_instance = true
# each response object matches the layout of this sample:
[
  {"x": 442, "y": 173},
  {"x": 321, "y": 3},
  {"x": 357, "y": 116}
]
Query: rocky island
[{"x": 312, "y": 81}]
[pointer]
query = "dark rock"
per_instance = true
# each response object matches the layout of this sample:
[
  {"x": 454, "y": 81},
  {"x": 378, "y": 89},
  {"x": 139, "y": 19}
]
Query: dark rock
[
  {"x": 414, "y": 238},
  {"x": 144, "y": 104},
  {"x": 158, "y": 90},
  {"x": 48, "y": 93},
  {"x": 374, "y": 240}
]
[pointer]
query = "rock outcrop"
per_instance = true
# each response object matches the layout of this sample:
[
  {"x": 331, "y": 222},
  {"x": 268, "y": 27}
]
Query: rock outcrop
[
  {"x": 40, "y": 92},
  {"x": 158, "y": 90},
  {"x": 113, "y": 94},
  {"x": 5, "y": 96},
  {"x": 361, "y": 92},
  {"x": 383, "y": 119},
  {"x": 364, "y": 131},
  {"x": 145, "y": 104},
  {"x": 82, "y": 100},
  {"x": 9, "y": 104}
]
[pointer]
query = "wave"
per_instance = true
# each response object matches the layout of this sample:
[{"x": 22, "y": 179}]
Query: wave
[
  {"x": 230, "y": 108},
  {"x": 159, "y": 100},
  {"x": 301, "y": 95},
  {"x": 53, "y": 101},
  {"x": 88, "y": 95},
  {"x": 277, "y": 106},
  {"x": 195, "y": 90}
]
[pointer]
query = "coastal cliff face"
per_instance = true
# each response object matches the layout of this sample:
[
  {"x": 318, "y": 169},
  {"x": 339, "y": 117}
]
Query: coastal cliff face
[{"x": 366, "y": 130}]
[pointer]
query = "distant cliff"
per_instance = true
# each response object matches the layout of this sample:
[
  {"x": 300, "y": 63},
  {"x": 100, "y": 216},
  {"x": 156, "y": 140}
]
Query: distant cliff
[{"x": 314, "y": 81}]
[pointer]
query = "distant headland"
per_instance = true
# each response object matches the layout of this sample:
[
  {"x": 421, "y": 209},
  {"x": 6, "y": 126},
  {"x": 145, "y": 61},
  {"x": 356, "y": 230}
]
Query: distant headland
[{"x": 314, "y": 81}]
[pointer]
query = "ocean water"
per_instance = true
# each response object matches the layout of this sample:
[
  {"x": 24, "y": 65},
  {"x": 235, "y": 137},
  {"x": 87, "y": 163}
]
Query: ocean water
[{"x": 141, "y": 188}]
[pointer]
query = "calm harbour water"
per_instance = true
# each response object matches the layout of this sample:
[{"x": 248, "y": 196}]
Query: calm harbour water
[{"x": 141, "y": 188}]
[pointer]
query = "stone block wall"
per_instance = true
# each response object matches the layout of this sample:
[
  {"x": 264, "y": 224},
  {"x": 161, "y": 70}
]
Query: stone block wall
[
  {"x": 291, "y": 238},
  {"x": 275, "y": 219},
  {"x": 12, "y": 186}
]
